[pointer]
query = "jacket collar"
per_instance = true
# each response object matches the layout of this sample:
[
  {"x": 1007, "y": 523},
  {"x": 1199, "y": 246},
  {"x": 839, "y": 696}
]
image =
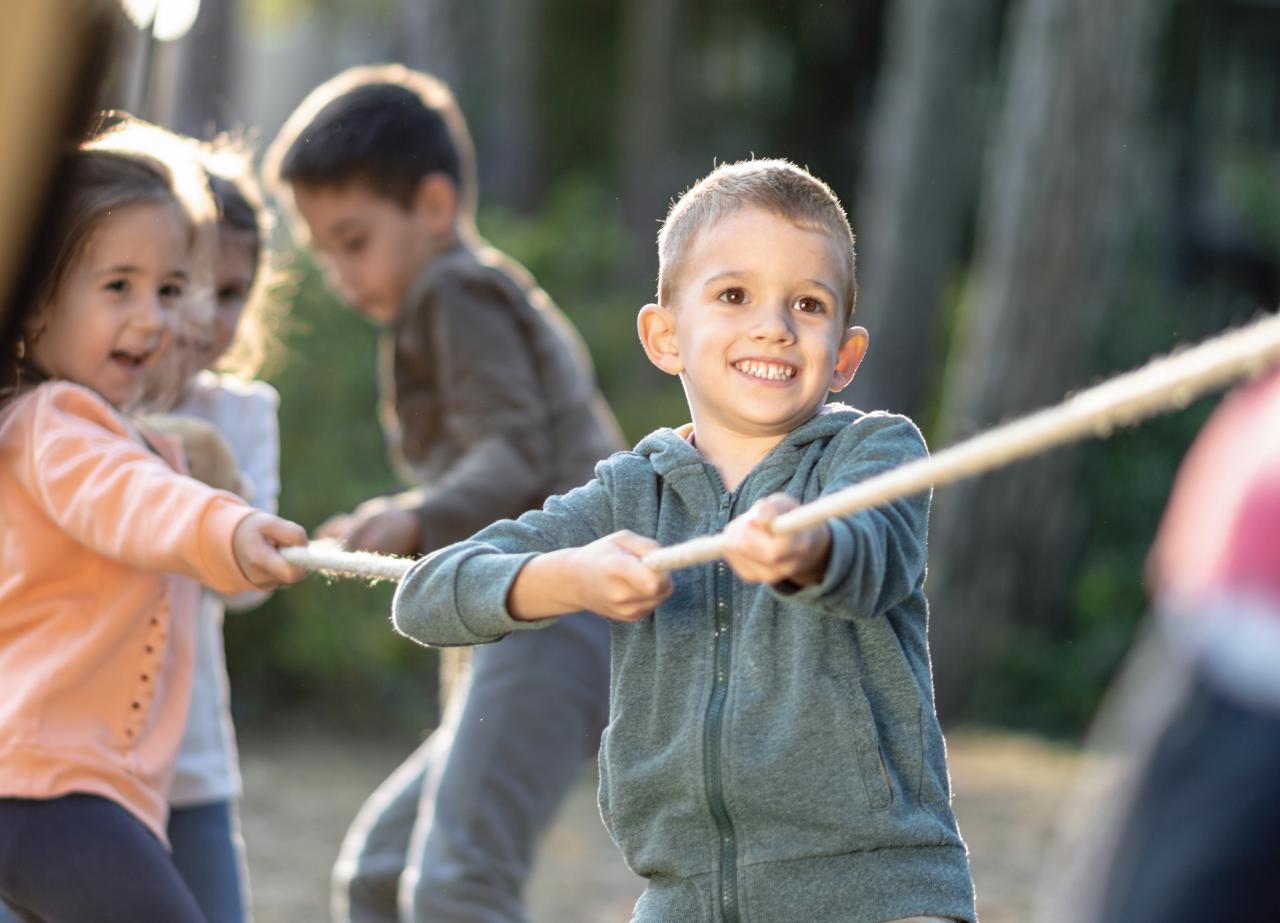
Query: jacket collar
[{"x": 679, "y": 463}]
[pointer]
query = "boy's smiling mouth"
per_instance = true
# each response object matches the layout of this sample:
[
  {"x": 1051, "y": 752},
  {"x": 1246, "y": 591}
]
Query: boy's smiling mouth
[{"x": 766, "y": 370}]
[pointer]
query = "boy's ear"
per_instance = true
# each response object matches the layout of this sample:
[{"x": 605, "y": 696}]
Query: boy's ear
[
  {"x": 435, "y": 200},
  {"x": 657, "y": 328},
  {"x": 853, "y": 346}
]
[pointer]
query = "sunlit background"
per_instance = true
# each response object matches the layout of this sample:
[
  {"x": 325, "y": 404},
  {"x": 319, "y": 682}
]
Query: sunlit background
[{"x": 1046, "y": 192}]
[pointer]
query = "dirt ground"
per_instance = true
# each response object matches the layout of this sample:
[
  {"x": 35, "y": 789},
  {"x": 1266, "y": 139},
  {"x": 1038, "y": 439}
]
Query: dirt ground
[{"x": 303, "y": 787}]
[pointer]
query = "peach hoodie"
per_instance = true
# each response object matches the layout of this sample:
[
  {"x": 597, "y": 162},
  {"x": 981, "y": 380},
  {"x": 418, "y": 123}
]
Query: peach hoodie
[{"x": 96, "y": 639}]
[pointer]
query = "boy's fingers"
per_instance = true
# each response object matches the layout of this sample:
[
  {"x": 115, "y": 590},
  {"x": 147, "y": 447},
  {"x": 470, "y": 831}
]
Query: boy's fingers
[
  {"x": 636, "y": 544},
  {"x": 771, "y": 507},
  {"x": 336, "y": 527}
]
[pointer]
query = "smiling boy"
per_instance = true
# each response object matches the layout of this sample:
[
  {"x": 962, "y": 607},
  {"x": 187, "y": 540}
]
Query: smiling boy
[{"x": 772, "y": 753}]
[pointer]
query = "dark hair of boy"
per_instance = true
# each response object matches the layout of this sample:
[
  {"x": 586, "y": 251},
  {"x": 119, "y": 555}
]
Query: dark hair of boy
[{"x": 385, "y": 126}]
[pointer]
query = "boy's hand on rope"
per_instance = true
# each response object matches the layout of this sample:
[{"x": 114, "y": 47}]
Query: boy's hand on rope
[
  {"x": 758, "y": 555},
  {"x": 380, "y": 524},
  {"x": 606, "y": 577},
  {"x": 256, "y": 544}
]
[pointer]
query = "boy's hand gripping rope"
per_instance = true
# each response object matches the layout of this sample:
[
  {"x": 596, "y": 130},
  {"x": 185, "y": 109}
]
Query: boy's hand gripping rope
[{"x": 1161, "y": 386}]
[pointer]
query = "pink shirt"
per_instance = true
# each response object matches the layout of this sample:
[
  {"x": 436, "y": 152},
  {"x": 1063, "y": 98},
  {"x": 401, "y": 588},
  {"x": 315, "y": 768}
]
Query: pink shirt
[
  {"x": 95, "y": 636},
  {"x": 1221, "y": 529}
]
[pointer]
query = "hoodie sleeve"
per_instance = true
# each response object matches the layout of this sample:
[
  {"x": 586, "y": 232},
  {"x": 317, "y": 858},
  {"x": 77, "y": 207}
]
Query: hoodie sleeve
[
  {"x": 458, "y": 595},
  {"x": 878, "y": 555}
]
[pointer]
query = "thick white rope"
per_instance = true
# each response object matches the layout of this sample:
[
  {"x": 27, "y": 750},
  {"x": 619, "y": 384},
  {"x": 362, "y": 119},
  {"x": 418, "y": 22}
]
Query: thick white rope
[
  {"x": 1161, "y": 386},
  {"x": 328, "y": 557}
]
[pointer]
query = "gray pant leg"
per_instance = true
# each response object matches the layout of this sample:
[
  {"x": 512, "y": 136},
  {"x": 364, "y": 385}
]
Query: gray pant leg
[
  {"x": 366, "y": 876},
  {"x": 534, "y": 711}
]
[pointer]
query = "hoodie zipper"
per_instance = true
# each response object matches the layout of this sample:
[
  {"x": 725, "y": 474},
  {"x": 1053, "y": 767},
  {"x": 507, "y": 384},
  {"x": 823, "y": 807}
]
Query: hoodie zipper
[{"x": 712, "y": 762}]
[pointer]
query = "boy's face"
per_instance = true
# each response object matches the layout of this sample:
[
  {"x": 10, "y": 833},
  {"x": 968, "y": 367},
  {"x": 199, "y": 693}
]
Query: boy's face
[
  {"x": 757, "y": 330},
  {"x": 373, "y": 246}
]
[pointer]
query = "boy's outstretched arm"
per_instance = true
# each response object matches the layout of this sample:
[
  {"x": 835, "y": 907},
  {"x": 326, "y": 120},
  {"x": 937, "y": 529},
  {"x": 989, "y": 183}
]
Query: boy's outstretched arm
[
  {"x": 605, "y": 577},
  {"x": 466, "y": 593},
  {"x": 496, "y": 407}
]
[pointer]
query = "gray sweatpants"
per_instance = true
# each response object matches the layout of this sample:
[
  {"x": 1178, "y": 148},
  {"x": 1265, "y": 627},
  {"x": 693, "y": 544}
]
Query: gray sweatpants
[{"x": 449, "y": 836}]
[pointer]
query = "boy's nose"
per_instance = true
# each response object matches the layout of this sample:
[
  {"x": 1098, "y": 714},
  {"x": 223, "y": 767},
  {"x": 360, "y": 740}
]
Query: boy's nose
[{"x": 773, "y": 324}]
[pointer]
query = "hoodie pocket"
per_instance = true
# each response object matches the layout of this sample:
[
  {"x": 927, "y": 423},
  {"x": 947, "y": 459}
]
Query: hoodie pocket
[
  {"x": 869, "y": 748},
  {"x": 807, "y": 775}
]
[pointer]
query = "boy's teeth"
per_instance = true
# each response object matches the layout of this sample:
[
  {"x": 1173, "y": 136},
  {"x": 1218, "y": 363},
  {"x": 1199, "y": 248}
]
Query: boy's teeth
[{"x": 766, "y": 370}]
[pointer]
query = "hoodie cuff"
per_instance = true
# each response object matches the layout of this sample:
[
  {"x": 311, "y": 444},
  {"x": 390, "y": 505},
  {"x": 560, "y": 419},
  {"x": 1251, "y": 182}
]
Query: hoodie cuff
[
  {"x": 480, "y": 595},
  {"x": 449, "y": 603}
]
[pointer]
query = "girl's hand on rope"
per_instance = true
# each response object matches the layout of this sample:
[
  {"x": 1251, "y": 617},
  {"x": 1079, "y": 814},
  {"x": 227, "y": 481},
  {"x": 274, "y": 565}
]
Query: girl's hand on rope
[
  {"x": 606, "y": 577},
  {"x": 758, "y": 555},
  {"x": 256, "y": 543}
]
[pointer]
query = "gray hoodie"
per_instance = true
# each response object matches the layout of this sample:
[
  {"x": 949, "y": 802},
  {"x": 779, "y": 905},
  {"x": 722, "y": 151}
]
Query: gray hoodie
[{"x": 772, "y": 754}]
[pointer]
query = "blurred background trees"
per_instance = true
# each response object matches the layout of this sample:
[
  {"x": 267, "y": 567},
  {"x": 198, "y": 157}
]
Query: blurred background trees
[{"x": 1046, "y": 192}]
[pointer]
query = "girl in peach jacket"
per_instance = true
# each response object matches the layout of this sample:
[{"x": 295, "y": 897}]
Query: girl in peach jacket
[{"x": 101, "y": 535}]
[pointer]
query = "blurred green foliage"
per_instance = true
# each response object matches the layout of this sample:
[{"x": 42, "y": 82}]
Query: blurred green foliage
[
  {"x": 1053, "y": 681},
  {"x": 327, "y": 646}
]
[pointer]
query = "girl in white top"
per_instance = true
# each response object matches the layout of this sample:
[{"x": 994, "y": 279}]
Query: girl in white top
[{"x": 204, "y": 823}]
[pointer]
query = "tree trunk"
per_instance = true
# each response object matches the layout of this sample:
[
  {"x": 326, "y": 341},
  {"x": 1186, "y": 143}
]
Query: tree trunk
[
  {"x": 644, "y": 130},
  {"x": 1053, "y": 233},
  {"x": 513, "y": 152},
  {"x": 428, "y": 39},
  {"x": 204, "y": 61},
  {"x": 919, "y": 188}
]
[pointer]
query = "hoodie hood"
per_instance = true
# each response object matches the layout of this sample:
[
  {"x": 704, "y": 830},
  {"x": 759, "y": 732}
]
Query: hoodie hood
[{"x": 670, "y": 449}]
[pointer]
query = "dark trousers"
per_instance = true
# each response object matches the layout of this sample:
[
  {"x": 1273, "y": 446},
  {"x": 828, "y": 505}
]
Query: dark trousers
[
  {"x": 84, "y": 859},
  {"x": 209, "y": 855},
  {"x": 1202, "y": 838}
]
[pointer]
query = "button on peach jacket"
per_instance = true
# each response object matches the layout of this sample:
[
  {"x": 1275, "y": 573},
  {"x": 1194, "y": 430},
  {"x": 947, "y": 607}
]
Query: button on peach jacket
[{"x": 96, "y": 636}]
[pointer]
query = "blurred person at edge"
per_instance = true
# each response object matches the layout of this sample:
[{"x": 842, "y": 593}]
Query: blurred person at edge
[{"x": 1200, "y": 839}]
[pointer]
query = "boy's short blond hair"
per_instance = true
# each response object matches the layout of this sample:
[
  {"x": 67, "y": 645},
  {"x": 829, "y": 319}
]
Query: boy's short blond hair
[{"x": 776, "y": 186}]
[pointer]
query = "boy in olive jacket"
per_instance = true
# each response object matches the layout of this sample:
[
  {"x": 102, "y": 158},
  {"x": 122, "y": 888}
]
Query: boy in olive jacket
[
  {"x": 772, "y": 753},
  {"x": 489, "y": 406}
]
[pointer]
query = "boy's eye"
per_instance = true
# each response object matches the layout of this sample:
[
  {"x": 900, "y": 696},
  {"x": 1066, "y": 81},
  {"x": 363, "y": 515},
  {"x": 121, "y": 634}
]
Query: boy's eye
[
  {"x": 170, "y": 291},
  {"x": 353, "y": 246},
  {"x": 810, "y": 305},
  {"x": 119, "y": 286},
  {"x": 733, "y": 296}
]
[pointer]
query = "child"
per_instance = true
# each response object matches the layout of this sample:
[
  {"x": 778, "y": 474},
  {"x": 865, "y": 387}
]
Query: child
[
  {"x": 772, "y": 751},
  {"x": 95, "y": 662},
  {"x": 489, "y": 407},
  {"x": 203, "y": 822},
  {"x": 1199, "y": 837}
]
